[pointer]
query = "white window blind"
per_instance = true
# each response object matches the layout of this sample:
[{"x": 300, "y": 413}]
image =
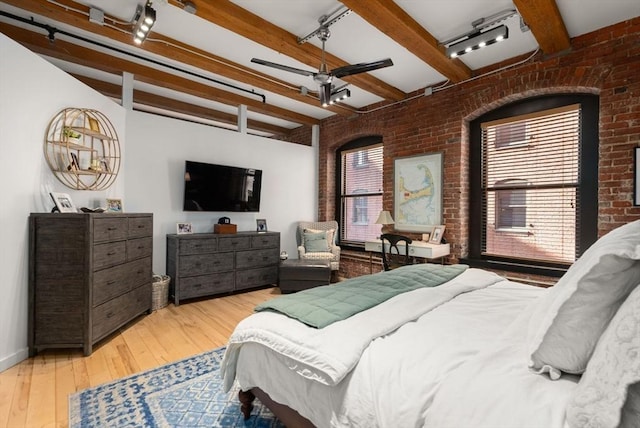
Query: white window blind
[
  {"x": 530, "y": 185},
  {"x": 360, "y": 193}
]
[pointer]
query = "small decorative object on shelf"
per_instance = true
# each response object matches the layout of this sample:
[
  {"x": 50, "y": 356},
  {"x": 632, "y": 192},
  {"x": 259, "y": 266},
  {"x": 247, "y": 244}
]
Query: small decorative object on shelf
[
  {"x": 82, "y": 149},
  {"x": 261, "y": 225},
  {"x": 284, "y": 255}
]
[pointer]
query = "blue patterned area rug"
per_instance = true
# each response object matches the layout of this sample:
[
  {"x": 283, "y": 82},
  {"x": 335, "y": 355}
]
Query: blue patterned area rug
[{"x": 187, "y": 393}]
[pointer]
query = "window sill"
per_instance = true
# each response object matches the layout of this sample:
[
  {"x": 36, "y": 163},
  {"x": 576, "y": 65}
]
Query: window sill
[{"x": 516, "y": 266}]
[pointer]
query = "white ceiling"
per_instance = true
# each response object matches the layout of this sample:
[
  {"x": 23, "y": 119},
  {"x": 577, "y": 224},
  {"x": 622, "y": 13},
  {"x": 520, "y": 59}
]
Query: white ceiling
[{"x": 352, "y": 39}]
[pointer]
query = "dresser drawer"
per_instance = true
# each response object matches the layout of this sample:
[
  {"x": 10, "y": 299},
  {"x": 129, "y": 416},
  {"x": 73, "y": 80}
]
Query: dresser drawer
[
  {"x": 203, "y": 285},
  {"x": 140, "y": 226},
  {"x": 138, "y": 248},
  {"x": 112, "y": 282},
  {"x": 111, "y": 254},
  {"x": 114, "y": 313},
  {"x": 109, "y": 229},
  {"x": 256, "y": 258},
  {"x": 255, "y": 277},
  {"x": 198, "y": 246},
  {"x": 233, "y": 243},
  {"x": 265, "y": 241},
  {"x": 205, "y": 264}
]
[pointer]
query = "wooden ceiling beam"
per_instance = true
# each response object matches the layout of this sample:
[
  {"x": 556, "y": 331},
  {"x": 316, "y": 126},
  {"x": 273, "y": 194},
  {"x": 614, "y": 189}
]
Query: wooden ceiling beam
[
  {"x": 113, "y": 90},
  {"x": 66, "y": 51},
  {"x": 545, "y": 22},
  {"x": 240, "y": 21},
  {"x": 392, "y": 20},
  {"x": 76, "y": 15}
]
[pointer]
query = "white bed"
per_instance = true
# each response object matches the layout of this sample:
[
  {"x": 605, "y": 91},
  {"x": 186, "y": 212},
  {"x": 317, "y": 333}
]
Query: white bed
[{"x": 461, "y": 354}]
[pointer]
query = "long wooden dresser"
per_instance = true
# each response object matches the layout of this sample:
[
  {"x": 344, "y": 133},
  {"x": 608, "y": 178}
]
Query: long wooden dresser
[
  {"x": 89, "y": 274},
  {"x": 204, "y": 264}
]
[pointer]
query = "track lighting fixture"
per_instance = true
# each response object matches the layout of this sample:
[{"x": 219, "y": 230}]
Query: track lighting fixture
[
  {"x": 478, "y": 40},
  {"x": 143, "y": 21},
  {"x": 328, "y": 96},
  {"x": 484, "y": 33}
]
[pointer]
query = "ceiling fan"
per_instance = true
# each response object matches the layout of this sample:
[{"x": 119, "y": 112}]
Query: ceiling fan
[{"x": 323, "y": 77}]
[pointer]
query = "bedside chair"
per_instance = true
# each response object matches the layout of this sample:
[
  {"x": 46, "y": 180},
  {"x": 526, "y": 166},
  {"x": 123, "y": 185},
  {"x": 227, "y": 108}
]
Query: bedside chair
[
  {"x": 317, "y": 241},
  {"x": 391, "y": 257}
]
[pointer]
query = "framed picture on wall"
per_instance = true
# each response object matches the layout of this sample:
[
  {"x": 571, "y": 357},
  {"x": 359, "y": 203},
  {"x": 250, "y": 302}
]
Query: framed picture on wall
[{"x": 417, "y": 192}]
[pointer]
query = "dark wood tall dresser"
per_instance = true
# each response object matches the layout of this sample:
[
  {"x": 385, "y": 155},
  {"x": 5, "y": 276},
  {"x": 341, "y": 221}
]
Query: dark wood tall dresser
[{"x": 89, "y": 274}]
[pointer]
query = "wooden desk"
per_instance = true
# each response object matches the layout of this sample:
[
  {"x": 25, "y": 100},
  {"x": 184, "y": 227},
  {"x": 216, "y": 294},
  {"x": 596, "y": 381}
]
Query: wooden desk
[{"x": 419, "y": 249}]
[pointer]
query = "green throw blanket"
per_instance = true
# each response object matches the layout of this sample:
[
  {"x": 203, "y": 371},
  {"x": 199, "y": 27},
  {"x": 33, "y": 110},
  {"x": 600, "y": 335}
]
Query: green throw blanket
[{"x": 320, "y": 306}]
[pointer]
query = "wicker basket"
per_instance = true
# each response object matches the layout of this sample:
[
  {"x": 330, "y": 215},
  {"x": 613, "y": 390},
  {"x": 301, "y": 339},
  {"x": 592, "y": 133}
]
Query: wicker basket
[{"x": 160, "y": 292}]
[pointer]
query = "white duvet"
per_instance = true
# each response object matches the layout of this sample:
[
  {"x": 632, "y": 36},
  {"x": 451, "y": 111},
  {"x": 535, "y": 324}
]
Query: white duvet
[{"x": 459, "y": 364}]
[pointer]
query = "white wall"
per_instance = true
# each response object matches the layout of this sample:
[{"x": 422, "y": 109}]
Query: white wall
[
  {"x": 157, "y": 148},
  {"x": 32, "y": 91}
]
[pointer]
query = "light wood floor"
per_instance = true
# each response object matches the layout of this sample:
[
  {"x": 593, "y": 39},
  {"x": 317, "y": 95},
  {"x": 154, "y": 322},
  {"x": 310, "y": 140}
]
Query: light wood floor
[{"x": 35, "y": 392}]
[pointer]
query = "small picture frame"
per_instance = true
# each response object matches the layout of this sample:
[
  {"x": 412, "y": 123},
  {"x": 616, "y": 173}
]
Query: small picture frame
[
  {"x": 436, "y": 234},
  {"x": 114, "y": 205},
  {"x": 63, "y": 202},
  {"x": 261, "y": 225},
  {"x": 184, "y": 228}
]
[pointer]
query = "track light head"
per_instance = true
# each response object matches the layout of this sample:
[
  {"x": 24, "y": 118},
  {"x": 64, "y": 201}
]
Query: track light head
[
  {"x": 144, "y": 19},
  {"x": 477, "y": 41}
]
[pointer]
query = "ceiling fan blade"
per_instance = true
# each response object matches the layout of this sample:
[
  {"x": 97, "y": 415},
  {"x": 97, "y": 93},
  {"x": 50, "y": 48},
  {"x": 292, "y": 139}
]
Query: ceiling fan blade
[
  {"x": 363, "y": 67},
  {"x": 283, "y": 67}
]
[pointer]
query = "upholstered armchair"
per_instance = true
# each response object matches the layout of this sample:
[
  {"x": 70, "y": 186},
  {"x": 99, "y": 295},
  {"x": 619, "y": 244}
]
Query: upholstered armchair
[{"x": 317, "y": 241}]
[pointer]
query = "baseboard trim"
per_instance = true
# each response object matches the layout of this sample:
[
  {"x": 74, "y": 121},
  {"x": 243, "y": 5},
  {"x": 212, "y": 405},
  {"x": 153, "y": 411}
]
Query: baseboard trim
[{"x": 13, "y": 359}]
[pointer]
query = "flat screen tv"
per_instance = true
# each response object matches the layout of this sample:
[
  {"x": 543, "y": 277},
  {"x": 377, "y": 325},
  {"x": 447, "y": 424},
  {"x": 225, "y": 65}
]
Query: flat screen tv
[{"x": 209, "y": 187}]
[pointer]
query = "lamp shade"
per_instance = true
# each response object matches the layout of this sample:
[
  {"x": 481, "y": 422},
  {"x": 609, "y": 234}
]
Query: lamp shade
[{"x": 384, "y": 218}]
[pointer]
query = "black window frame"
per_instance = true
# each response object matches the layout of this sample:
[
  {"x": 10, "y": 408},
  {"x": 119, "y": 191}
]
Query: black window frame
[
  {"x": 362, "y": 142},
  {"x": 587, "y": 214}
]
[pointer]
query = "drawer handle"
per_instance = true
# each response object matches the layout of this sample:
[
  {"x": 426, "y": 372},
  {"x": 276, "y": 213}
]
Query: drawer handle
[
  {"x": 198, "y": 264},
  {"x": 111, "y": 253},
  {"x": 197, "y": 286},
  {"x": 140, "y": 247},
  {"x": 109, "y": 314},
  {"x": 112, "y": 228},
  {"x": 111, "y": 282},
  {"x": 140, "y": 271},
  {"x": 140, "y": 226}
]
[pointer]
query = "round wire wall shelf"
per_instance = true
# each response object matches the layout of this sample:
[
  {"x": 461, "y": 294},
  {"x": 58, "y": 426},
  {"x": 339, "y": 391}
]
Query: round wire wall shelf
[{"x": 82, "y": 149}]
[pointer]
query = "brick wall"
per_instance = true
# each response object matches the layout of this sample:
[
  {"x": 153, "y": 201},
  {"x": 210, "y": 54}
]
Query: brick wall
[{"x": 604, "y": 62}]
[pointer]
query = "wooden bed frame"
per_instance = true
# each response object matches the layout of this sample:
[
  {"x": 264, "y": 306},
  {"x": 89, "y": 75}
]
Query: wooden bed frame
[{"x": 285, "y": 414}]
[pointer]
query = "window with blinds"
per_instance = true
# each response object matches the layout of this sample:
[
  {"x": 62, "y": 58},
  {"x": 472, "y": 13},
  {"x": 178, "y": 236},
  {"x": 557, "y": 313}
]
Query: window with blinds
[
  {"x": 530, "y": 185},
  {"x": 360, "y": 191}
]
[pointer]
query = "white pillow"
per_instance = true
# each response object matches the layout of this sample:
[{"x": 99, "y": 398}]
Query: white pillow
[
  {"x": 571, "y": 316},
  {"x": 601, "y": 397}
]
